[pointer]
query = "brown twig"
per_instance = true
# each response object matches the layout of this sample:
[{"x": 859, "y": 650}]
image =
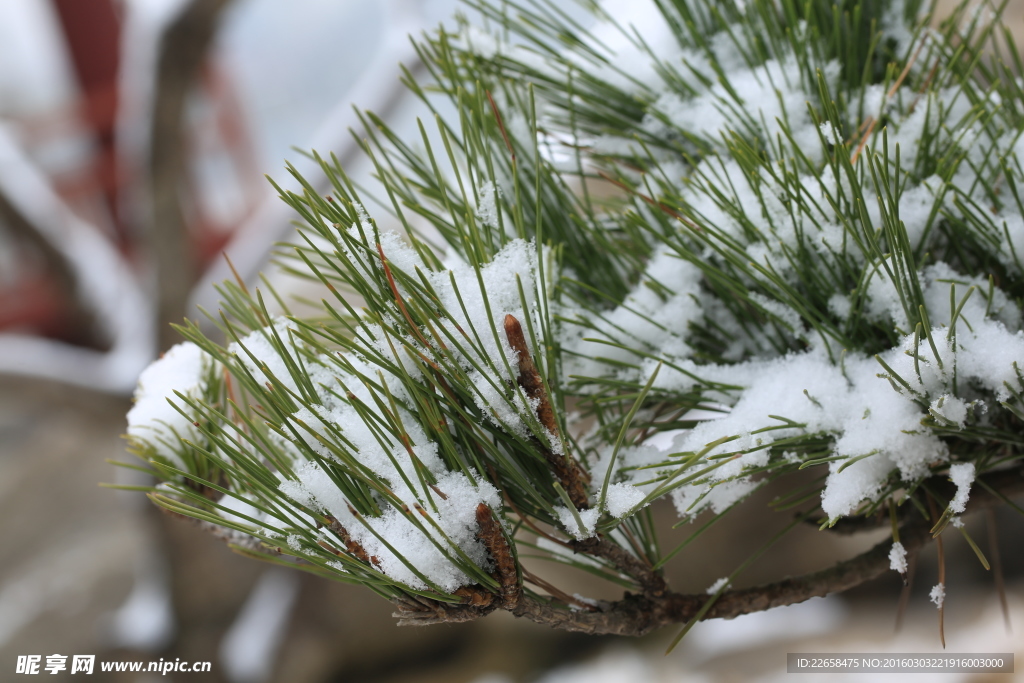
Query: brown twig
[
  {"x": 422, "y": 612},
  {"x": 493, "y": 538},
  {"x": 352, "y": 546},
  {"x": 636, "y": 615},
  {"x": 870, "y": 121},
  {"x": 661, "y": 206},
  {"x": 997, "y": 566},
  {"x": 906, "y": 70},
  {"x": 555, "y": 591},
  {"x": 908, "y": 585},
  {"x": 501, "y": 127},
  {"x": 652, "y": 583},
  {"x": 565, "y": 467}
]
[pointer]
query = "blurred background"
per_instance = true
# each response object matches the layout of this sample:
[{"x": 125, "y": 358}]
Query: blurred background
[{"x": 134, "y": 137}]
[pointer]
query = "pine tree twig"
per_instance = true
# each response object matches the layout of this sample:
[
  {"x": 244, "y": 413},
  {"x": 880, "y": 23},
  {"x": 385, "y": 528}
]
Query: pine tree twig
[
  {"x": 505, "y": 565},
  {"x": 997, "y": 566},
  {"x": 555, "y": 591},
  {"x": 565, "y": 467},
  {"x": 635, "y": 615},
  {"x": 651, "y": 582},
  {"x": 935, "y": 520},
  {"x": 354, "y": 548},
  {"x": 475, "y": 596},
  {"x": 427, "y": 612},
  {"x": 228, "y": 536}
]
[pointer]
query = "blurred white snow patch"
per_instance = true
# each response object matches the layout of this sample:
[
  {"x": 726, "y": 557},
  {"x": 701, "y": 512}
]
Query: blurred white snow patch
[
  {"x": 35, "y": 75},
  {"x": 617, "y": 36},
  {"x": 44, "y": 582},
  {"x": 614, "y": 666},
  {"x": 663, "y": 440},
  {"x": 145, "y": 621},
  {"x": 250, "y": 646},
  {"x": 722, "y": 636}
]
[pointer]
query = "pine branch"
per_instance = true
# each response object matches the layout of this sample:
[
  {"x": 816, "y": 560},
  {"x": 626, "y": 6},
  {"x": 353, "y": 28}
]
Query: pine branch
[
  {"x": 818, "y": 238},
  {"x": 636, "y": 615}
]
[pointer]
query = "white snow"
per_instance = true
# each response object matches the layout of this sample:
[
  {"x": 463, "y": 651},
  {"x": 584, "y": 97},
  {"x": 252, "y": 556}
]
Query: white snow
[
  {"x": 828, "y": 131},
  {"x": 898, "y": 558},
  {"x": 951, "y": 409},
  {"x": 153, "y": 419},
  {"x": 938, "y": 594},
  {"x": 589, "y": 518},
  {"x": 262, "y": 345},
  {"x": 962, "y": 474},
  {"x": 486, "y": 206},
  {"x": 622, "y": 499},
  {"x": 456, "y": 516}
]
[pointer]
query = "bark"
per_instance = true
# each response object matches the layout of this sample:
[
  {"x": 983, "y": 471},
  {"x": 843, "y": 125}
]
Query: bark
[
  {"x": 636, "y": 615},
  {"x": 183, "y": 49}
]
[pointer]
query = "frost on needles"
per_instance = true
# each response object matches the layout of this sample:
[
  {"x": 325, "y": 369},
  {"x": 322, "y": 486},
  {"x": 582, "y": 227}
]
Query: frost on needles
[{"x": 679, "y": 260}]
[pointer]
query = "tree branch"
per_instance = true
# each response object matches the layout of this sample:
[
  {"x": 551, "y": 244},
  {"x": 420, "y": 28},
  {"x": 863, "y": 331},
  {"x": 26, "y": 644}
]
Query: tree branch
[
  {"x": 650, "y": 581},
  {"x": 183, "y": 48},
  {"x": 637, "y": 615}
]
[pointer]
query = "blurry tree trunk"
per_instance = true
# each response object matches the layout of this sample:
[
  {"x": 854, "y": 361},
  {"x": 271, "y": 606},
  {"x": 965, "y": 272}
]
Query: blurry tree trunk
[{"x": 183, "y": 49}]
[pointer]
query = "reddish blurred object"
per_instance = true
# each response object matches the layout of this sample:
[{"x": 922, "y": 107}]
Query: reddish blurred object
[
  {"x": 92, "y": 34},
  {"x": 99, "y": 186}
]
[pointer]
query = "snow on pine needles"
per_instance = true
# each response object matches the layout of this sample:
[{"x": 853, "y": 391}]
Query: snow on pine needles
[{"x": 810, "y": 258}]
